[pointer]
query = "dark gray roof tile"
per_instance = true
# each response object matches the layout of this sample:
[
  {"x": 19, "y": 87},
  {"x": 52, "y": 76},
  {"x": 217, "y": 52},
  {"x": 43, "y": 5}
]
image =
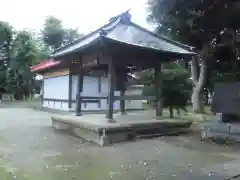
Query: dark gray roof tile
[
  {"x": 131, "y": 34},
  {"x": 128, "y": 33}
]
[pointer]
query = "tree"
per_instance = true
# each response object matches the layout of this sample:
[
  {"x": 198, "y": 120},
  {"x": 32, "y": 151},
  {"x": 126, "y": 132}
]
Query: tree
[
  {"x": 176, "y": 86},
  {"x": 53, "y": 32},
  {"x": 199, "y": 23},
  {"x": 55, "y": 35},
  {"x": 19, "y": 50},
  {"x": 71, "y": 35},
  {"x": 24, "y": 52},
  {"x": 6, "y": 34}
]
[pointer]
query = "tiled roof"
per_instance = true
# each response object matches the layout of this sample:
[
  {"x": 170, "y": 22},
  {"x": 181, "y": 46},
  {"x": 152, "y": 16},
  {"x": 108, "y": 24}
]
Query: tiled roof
[{"x": 122, "y": 30}]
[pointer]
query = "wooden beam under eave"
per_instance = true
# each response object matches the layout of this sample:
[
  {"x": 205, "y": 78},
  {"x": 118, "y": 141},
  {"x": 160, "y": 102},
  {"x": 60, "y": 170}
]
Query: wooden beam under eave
[{"x": 56, "y": 73}]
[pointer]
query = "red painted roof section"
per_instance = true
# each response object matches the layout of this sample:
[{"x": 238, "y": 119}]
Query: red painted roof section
[{"x": 44, "y": 65}]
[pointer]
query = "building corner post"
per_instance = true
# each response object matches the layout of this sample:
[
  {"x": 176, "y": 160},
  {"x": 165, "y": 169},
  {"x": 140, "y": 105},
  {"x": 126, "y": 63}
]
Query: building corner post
[
  {"x": 111, "y": 84},
  {"x": 158, "y": 90},
  {"x": 122, "y": 80},
  {"x": 70, "y": 92},
  {"x": 122, "y": 102},
  {"x": 79, "y": 91}
]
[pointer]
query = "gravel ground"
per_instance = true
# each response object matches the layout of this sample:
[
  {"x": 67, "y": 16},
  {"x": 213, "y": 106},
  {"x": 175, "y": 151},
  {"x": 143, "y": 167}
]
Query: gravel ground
[{"x": 30, "y": 149}]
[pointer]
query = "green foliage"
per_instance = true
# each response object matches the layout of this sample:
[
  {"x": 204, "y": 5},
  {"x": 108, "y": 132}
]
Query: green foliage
[
  {"x": 19, "y": 50},
  {"x": 176, "y": 86},
  {"x": 71, "y": 35},
  {"x": 209, "y": 25},
  {"x": 55, "y": 35},
  {"x": 20, "y": 79},
  {"x": 194, "y": 21},
  {"x": 6, "y": 32},
  {"x": 53, "y": 32},
  {"x": 212, "y": 27},
  {"x": 6, "y": 35}
]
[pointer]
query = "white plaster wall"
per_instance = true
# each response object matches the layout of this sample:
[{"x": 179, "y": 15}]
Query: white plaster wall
[
  {"x": 134, "y": 104},
  {"x": 129, "y": 104},
  {"x": 56, "y": 88},
  {"x": 74, "y": 87},
  {"x": 104, "y": 90},
  {"x": 45, "y": 104},
  {"x": 56, "y": 105},
  {"x": 88, "y": 107},
  {"x": 90, "y": 88}
]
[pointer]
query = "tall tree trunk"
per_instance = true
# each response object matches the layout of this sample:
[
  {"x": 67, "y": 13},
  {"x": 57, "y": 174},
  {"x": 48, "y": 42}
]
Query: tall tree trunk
[
  {"x": 0, "y": 97},
  {"x": 197, "y": 104},
  {"x": 178, "y": 111},
  {"x": 170, "y": 111},
  {"x": 198, "y": 78}
]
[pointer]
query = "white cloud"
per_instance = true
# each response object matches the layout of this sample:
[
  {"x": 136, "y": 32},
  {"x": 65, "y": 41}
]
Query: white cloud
[{"x": 84, "y": 14}]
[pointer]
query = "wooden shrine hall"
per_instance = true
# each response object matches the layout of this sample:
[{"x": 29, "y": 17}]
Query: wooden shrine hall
[{"x": 116, "y": 49}]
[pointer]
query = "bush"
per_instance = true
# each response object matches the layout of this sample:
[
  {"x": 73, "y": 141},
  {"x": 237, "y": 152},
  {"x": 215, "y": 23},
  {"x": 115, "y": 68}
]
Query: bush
[{"x": 176, "y": 87}]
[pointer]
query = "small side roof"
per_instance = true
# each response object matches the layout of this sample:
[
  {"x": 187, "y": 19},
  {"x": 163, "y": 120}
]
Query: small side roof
[
  {"x": 46, "y": 64},
  {"x": 122, "y": 30}
]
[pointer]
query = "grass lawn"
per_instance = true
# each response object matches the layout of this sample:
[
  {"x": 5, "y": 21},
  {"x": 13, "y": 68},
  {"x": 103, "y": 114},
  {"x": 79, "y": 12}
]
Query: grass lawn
[
  {"x": 189, "y": 115},
  {"x": 33, "y": 103},
  {"x": 208, "y": 115}
]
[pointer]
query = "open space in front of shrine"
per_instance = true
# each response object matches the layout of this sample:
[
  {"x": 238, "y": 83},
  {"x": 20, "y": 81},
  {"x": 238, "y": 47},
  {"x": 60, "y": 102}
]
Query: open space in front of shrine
[{"x": 31, "y": 149}]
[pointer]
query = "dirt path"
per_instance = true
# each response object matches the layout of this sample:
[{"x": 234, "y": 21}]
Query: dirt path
[{"x": 30, "y": 149}]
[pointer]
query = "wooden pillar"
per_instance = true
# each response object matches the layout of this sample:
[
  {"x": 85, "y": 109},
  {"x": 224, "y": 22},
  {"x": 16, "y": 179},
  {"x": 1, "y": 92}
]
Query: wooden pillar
[
  {"x": 70, "y": 91},
  {"x": 158, "y": 89},
  {"x": 42, "y": 93},
  {"x": 122, "y": 102},
  {"x": 111, "y": 85},
  {"x": 122, "y": 78},
  {"x": 79, "y": 91}
]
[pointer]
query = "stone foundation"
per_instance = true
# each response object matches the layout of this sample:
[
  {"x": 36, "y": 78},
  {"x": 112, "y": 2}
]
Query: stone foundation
[
  {"x": 222, "y": 133},
  {"x": 109, "y": 133}
]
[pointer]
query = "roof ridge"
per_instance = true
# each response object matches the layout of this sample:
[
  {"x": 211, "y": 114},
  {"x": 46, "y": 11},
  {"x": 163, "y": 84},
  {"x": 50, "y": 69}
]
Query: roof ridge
[{"x": 113, "y": 25}]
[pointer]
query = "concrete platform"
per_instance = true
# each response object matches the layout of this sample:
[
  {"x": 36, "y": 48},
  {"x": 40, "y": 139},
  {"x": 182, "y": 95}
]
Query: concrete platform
[
  {"x": 223, "y": 133},
  {"x": 97, "y": 129}
]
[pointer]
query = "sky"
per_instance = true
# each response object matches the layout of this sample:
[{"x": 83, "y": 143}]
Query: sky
[{"x": 86, "y": 15}]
